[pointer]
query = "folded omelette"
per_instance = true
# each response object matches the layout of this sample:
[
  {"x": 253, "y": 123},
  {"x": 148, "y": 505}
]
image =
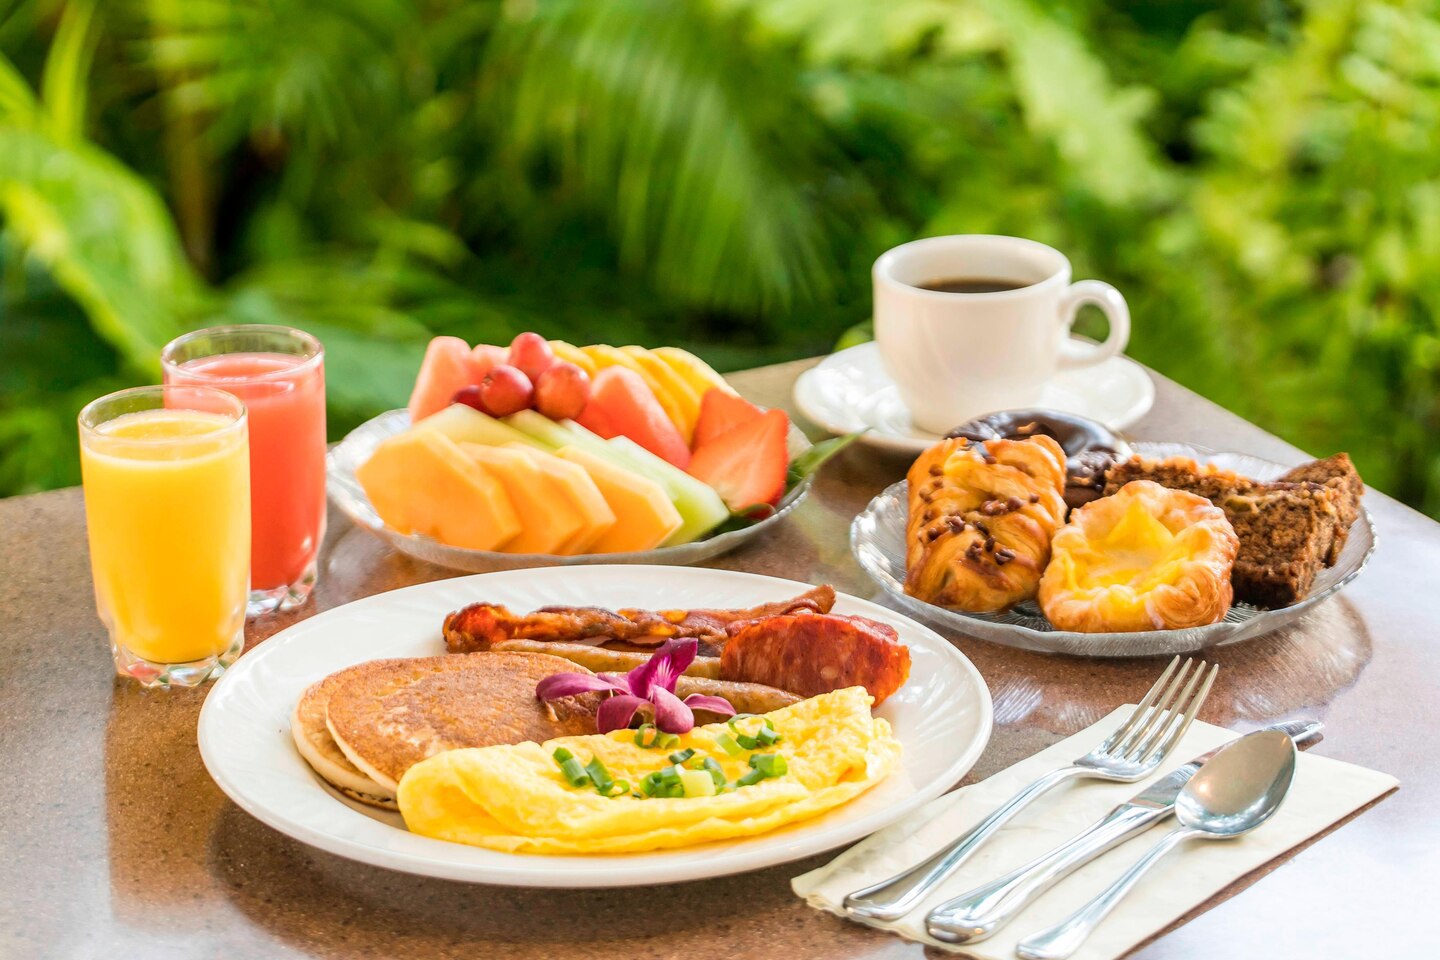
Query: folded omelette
[{"x": 514, "y": 798}]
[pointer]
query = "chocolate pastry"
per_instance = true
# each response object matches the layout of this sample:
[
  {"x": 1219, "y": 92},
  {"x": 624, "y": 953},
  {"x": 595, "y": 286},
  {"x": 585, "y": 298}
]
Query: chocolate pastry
[
  {"x": 981, "y": 516},
  {"x": 1091, "y": 448}
]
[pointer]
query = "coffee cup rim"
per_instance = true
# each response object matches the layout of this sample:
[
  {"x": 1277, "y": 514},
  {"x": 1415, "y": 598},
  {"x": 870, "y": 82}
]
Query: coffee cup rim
[{"x": 882, "y": 271}]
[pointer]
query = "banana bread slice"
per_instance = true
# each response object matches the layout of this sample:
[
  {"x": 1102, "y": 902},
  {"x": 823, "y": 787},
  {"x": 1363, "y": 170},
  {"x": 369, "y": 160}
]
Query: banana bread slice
[
  {"x": 1339, "y": 473},
  {"x": 1289, "y": 529},
  {"x": 1286, "y": 531},
  {"x": 1179, "y": 473}
]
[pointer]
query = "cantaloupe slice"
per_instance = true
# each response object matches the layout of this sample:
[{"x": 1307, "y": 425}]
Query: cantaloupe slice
[
  {"x": 700, "y": 507},
  {"x": 445, "y": 370},
  {"x": 571, "y": 480},
  {"x": 467, "y": 425},
  {"x": 422, "y": 482},
  {"x": 683, "y": 398},
  {"x": 548, "y": 519},
  {"x": 644, "y": 515}
]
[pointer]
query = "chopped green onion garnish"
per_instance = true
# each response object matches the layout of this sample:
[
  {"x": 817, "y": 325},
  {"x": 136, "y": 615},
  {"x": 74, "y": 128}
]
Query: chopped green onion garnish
[
  {"x": 770, "y": 764},
  {"x": 696, "y": 783},
  {"x": 664, "y": 741},
  {"x": 751, "y": 778},
  {"x": 561, "y": 754},
  {"x": 574, "y": 771},
  {"x": 767, "y": 737},
  {"x": 619, "y": 788},
  {"x": 597, "y": 772},
  {"x": 646, "y": 734},
  {"x": 727, "y": 743},
  {"x": 748, "y": 742},
  {"x": 651, "y": 785},
  {"x": 682, "y": 755},
  {"x": 713, "y": 768}
]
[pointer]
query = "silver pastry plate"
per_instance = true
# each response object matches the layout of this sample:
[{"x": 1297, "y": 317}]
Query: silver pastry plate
[
  {"x": 359, "y": 444},
  {"x": 877, "y": 538}
]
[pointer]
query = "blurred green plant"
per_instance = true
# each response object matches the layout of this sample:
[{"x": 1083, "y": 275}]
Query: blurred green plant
[{"x": 1262, "y": 180}]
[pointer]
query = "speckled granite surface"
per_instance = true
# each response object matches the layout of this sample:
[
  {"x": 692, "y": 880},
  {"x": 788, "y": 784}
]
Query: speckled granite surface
[{"x": 116, "y": 844}]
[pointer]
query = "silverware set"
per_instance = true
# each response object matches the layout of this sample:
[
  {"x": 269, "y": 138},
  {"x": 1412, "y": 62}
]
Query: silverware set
[{"x": 1219, "y": 795}]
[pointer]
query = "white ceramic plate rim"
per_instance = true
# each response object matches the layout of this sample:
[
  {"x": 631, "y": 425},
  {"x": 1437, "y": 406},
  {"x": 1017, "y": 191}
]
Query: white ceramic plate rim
[
  {"x": 821, "y": 412},
  {"x": 358, "y": 836}
]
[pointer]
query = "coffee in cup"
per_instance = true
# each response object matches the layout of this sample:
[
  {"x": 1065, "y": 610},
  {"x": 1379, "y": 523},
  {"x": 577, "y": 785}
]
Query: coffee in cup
[{"x": 968, "y": 325}]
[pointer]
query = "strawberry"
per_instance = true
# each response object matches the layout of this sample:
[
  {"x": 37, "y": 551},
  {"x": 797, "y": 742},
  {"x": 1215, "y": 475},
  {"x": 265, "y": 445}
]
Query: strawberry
[
  {"x": 746, "y": 464},
  {"x": 720, "y": 412}
]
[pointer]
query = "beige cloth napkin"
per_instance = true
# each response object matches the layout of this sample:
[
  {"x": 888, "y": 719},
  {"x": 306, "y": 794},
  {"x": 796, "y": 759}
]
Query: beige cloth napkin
[{"x": 1323, "y": 792}]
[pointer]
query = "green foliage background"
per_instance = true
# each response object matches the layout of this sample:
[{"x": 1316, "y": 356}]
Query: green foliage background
[{"x": 1261, "y": 178}]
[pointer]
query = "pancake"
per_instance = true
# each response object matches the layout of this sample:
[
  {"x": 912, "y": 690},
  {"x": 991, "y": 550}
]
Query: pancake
[
  {"x": 313, "y": 740},
  {"x": 388, "y": 715}
]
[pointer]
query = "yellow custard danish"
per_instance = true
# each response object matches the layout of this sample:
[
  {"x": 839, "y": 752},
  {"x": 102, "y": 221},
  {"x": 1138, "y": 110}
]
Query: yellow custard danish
[
  {"x": 980, "y": 520},
  {"x": 1145, "y": 558}
]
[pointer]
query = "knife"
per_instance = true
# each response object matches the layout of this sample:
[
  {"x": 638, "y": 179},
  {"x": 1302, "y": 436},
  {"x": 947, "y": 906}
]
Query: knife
[{"x": 978, "y": 913}]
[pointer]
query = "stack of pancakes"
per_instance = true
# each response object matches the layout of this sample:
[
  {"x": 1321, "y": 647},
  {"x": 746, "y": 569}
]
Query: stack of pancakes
[{"x": 363, "y": 727}]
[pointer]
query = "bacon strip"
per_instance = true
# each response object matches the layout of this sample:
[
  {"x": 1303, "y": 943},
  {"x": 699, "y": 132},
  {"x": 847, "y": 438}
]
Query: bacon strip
[{"x": 479, "y": 625}]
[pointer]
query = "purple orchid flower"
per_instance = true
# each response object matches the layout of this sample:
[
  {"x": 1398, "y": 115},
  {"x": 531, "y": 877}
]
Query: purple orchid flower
[{"x": 649, "y": 687}]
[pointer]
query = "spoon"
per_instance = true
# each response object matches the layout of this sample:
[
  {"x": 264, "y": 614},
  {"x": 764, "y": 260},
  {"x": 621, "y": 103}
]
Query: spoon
[{"x": 1233, "y": 793}]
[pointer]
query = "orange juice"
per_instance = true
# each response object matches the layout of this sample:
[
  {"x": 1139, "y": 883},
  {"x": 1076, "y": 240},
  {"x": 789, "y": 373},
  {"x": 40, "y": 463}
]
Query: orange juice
[{"x": 167, "y": 503}]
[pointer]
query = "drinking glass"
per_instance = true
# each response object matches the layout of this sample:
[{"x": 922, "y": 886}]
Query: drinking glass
[
  {"x": 280, "y": 374},
  {"x": 167, "y": 506}
]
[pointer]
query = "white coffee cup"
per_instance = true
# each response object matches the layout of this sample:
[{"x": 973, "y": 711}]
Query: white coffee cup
[{"x": 955, "y": 356}]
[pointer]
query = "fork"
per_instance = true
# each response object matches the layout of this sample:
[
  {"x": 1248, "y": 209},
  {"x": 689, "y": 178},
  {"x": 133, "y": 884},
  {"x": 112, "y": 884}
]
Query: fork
[{"x": 1134, "y": 750}]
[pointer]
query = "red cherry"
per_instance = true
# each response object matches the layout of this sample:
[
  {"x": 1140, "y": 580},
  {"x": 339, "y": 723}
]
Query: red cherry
[
  {"x": 470, "y": 396},
  {"x": 531, "y": 354},
  {"x": 482, "y": 358},
  {"x": 505, "y": 390},
  {"x": 562, "y": 391}
]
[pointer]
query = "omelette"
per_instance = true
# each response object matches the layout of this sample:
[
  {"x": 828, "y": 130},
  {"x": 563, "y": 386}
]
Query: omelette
[{"x": 515, "y": 798}]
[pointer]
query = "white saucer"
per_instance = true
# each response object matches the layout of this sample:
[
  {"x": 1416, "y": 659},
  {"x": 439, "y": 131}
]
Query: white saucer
[{"x": 850, "y": 391}]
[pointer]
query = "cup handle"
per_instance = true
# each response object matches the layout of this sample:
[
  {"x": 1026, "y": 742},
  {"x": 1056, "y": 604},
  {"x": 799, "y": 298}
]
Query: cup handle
[{"x": 1074, "y": 353}]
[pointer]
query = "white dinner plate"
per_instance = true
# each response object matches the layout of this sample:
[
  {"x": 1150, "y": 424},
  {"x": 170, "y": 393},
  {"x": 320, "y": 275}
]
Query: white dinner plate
[
  {"x": 850, "y": 391},
  {"x": 941, "y": 716}
]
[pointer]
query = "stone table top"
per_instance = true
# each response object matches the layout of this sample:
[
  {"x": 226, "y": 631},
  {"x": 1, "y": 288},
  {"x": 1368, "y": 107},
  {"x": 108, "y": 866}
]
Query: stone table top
[{"x": 116, "y": 843}]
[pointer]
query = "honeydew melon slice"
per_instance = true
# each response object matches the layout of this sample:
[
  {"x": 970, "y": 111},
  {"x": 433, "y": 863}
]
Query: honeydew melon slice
[{"x": 467, "y": 425}]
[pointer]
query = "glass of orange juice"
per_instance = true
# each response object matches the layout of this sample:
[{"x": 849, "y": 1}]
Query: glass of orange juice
[
  {"x": 279, "y": 373},
  {"x": 167, "y": 504}
]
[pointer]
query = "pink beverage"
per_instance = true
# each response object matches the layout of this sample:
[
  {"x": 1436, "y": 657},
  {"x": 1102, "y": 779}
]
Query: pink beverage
[{"x": 279, "y": 373}]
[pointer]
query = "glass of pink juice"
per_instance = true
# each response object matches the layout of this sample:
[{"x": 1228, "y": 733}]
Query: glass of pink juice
[{"x": 279, "y": 373}]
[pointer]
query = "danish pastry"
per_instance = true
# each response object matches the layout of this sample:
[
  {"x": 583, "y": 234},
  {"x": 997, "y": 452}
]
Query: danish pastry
[
  {"x": 981, "y": 516},
  {"x": 1145, "y": 558}
]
